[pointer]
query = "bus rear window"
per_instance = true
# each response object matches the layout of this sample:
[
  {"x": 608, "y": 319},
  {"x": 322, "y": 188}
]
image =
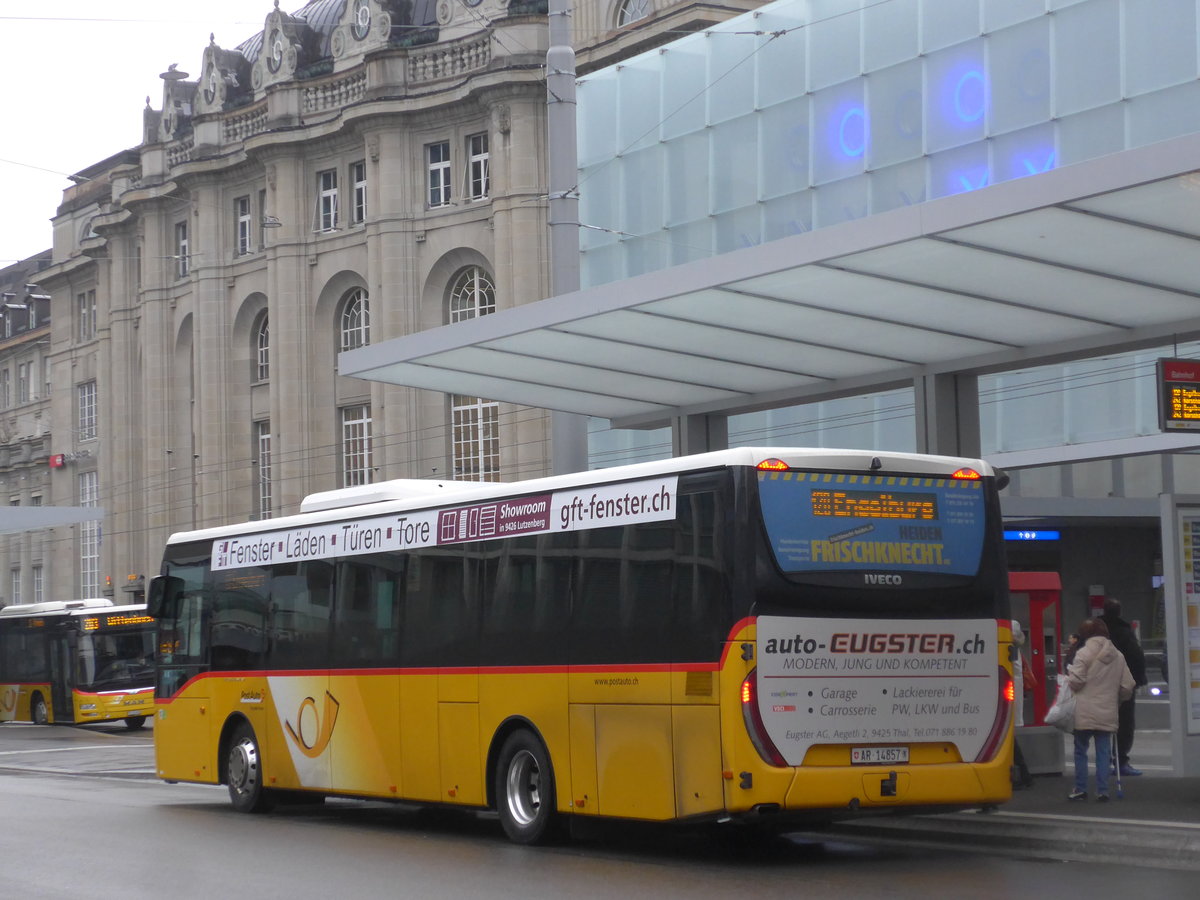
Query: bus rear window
[{"x": 838, "y": 522}]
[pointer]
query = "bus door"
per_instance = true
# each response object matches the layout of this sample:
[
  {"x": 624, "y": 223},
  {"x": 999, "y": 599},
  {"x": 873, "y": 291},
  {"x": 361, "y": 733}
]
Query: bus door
[
  {"x": 183, "y": 742},
  {"x": 62, "y": 676},
  {"x": 306, "y": 709}
]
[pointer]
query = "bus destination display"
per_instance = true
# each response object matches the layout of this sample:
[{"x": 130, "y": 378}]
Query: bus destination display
[{"x": 875, "y": 504}]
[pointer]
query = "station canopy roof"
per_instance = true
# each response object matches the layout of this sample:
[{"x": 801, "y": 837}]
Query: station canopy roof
[{"x": 1091, "y": 258}]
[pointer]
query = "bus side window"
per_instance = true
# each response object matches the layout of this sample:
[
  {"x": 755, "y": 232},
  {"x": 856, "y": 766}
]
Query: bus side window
[
  {"x": 437, "y": 628},
  {"x": 300, "y": 609},
  {"x": 366, "y": 611},
  {"x": 702, "y": 606},
  {"x": 239, "y": 606}
]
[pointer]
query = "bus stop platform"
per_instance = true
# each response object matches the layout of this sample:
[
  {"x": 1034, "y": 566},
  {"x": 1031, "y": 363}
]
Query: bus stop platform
[{"x": 1155, "y": 823}]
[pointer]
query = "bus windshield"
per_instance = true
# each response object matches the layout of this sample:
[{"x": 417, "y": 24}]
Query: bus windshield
[
  {"x": 822, "y": 522},
  {"x": 115, "y": 661}
]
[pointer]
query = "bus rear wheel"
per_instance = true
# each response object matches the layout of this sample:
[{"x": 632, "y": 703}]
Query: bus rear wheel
[
  {"x": 525, "y": 790},
  {"x": 38, "y": 711},
  {"x": 243, "y": 772}
]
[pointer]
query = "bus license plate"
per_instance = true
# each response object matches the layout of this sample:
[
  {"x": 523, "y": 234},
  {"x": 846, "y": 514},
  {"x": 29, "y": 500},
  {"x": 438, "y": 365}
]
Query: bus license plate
[{"x": 866, "y": 756}]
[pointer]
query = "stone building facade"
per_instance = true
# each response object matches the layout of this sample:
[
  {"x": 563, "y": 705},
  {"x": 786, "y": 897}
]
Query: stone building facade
[
  {"x": 358, "y": 170},
  {"x": 24, "y": 424}
]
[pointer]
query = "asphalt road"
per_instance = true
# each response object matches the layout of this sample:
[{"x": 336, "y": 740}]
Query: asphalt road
[{"x": 90, "y": 793}]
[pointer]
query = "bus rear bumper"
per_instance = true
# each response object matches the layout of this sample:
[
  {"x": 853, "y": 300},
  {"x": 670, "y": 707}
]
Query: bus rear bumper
[{"x": 882, "y": 789}]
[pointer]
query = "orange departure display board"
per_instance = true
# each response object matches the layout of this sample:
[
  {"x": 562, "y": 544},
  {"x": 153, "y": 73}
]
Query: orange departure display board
[
  {"x": 874, "y": 504},
  {"x": 1179, "y": 394}
]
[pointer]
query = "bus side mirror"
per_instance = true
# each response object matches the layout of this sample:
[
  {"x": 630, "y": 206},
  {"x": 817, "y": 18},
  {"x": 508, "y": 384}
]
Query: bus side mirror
[
  {"x": 1002, "y": 479},
  {"x": 162, "y": 599}
]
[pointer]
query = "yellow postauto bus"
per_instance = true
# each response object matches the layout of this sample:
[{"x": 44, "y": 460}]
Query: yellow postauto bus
[
  {"x": 76, "y": 661},
  {"x": 777, "y": 636}
]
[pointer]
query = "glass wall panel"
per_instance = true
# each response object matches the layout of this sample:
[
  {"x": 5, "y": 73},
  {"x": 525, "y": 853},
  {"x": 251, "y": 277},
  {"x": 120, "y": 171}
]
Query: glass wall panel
[
  {"x": 735, "y": 163},
  {"x": 834, "y": 43},
  {"x": 599, "y": 199},
  {"x": 1001, "y": 13},
  {"x": 1091, "y": 134},
  {"x": 784, "y": 136},
  {"x": 730, "y": 75},
  {"x": 638, "y": 100},
  {"x": 883, "y": 421},
  {"x": 688, "y": 178},
  {"x": 1023, "y": 153},
  {"x": 1087, "y": 49},
  {"x": 691, "y": 241},
  {"x": 619, "y": 446},
  {"x": 685, "y": 73},
  {"x": 596, "y": 132},
  {"x": 601, "y": 265},
  {"x": 896, "y": 186},
  {"x": 957, "y": 171},
  {"x": 840, "y": 132},
  {"x": 1027, "y": 409},
  {"x": 890, "y": 33},
  {"x": 842, "y": 201},
  {"x": 738, "y": 228},
  {"x": 957, "y": 97},
  {"x": 780, "y": 64},
  {"x": 1160, "y": 44},
  {"x": 1164, "y": 114},
  {"x": 1019, "y": 59},
  {"x": 947, "y": 22},
  {"x": 646, "y": 254},
  {"x": 1101, "y": 396},
  {"x": 787, "y": 216},
  {"x": 642, "y": 190},
  {"x": 895, "y": 109}
]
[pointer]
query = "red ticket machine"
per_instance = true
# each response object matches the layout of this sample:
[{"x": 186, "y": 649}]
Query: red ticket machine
[{"x": 1037, "y": 605}]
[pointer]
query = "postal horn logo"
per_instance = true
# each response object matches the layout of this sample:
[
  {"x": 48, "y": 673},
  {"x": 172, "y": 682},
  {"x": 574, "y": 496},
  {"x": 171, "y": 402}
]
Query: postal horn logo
[
  {"x": 313, "y": 724},
  {"x": 8, "y": 701}
]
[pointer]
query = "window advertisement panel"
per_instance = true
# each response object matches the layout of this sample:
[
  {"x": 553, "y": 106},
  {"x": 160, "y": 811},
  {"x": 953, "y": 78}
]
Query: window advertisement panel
[
  {"x": 878, "y": 685},
  {"x": 1188, "y": 573},
  {"x": 839, "y": 522}
]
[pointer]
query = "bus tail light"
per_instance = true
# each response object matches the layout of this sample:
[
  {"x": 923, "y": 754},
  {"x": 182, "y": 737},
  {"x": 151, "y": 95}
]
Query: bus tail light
[
  {"x": 773, "y": 465},
  {"x": 1006, "y": 695},
  {"x": 754, "y": 724}
]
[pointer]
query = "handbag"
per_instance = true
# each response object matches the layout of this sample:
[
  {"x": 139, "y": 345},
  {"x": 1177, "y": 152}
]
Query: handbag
[
  {"x": 1028, "y": 679},
  {"x": 1062, "y": 714}
]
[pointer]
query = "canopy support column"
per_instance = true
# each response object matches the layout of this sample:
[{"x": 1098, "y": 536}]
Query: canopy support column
[
  {"x": 698, "y": 434},
  {"x": 947, "y": 414}
]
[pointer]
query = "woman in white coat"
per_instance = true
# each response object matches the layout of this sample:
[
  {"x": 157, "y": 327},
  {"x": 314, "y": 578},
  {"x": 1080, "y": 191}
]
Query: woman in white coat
[{"x": 1100, "y": 680}]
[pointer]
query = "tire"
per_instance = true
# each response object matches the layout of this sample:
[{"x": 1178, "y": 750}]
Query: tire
[
  {"x": 38, "y": 711},
  {"x": 135, "y": 723},
  {"x": 525, "y": 795},
  {"x": 244, "y": 774}
]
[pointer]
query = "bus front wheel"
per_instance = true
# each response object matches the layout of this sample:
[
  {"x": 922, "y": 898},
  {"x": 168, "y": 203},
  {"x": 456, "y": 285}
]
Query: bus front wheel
[
  {"x": 133, "y": 723},
  {"x": 38, "y": 711},
  {"x": 243, "y": 772},
  {"x": 525, "y": 790}
]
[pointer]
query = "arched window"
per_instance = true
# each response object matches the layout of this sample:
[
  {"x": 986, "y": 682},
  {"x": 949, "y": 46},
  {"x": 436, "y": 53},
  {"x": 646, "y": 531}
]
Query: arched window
[
  {"x": 472, "y": 294},
  {"x": 475, "y": 423},
  {"x": 631, "y": 11},
  {"x": 262, "y": 349},
  {"x": 356, "y": 320}
]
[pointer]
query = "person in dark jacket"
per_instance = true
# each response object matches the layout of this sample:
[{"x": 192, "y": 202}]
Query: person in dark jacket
[{"x": 1121, "y": 634}]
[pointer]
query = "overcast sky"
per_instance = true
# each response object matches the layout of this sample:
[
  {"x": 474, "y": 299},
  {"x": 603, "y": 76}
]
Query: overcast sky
[{"x": 75, "y": 84}]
